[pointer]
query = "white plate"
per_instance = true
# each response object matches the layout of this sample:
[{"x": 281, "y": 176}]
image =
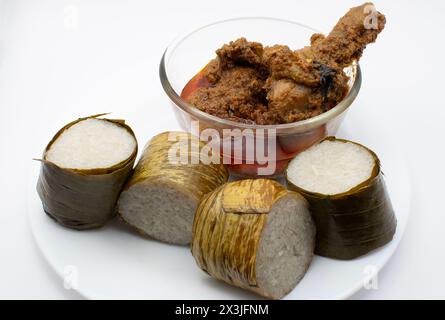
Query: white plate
[{"x": 116, "y": 263}]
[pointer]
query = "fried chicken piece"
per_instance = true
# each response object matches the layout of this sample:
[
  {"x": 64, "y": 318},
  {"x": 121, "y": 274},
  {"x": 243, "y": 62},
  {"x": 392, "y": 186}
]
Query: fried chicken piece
[
  {"x": 346, "y": 42},
  {"x": 321, "y": 65},
  {"x": 238, "y": 95},
  {"x": 237, "y": 53},
  {"x": 283, "y": 63},
  {"x": 274, "y": 84},
  {"x": 338, "y": 50},
  {"x": 287, "y": 97}
]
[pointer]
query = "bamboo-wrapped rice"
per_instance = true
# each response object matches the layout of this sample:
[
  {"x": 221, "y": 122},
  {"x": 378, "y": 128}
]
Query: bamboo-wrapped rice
[
  {"x": 344, "y": 186},
  {"x": 256, "y": 235},
  {"x": 83, "y": 170},
  {"x": 161, "y": 198}
]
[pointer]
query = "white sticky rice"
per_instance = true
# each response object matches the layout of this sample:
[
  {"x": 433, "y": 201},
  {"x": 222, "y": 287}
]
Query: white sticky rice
[
  {"x": 331, "y": 167},
  {"x": 90, "y": 144}
]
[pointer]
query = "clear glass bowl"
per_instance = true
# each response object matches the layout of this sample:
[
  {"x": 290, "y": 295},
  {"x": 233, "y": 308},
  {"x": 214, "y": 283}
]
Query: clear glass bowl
[{"x": 187, "y": 55}]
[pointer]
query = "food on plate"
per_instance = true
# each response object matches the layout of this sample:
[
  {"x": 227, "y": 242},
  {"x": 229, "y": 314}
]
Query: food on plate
[
  {"x": 83, "y": 170},
  {"x": 265, "y": 85},
  {"x": 344, "y": 186},
  {"x": 256, "y": 235},
  {"x": 161, "y": 197},
  {"x": 253, "y": 234}
]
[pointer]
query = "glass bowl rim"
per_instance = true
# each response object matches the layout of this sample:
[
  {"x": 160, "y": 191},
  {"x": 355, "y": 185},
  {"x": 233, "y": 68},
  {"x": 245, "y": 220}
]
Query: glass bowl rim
[{"x": 298, "y": 126}]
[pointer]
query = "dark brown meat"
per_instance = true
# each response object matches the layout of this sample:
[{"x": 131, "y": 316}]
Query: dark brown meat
[
  {"x": 349, "y": 37},
  {"x": 274, "y": 85},
  {"x": 237, "y": 53},
  {"x": 238, "y": 95}
]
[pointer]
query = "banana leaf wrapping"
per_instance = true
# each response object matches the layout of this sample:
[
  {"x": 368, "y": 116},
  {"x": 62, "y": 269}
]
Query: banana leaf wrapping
[
  {"x": 353, "y": 223},
  {"x": 82, "y": 198},
  {"x": 190, "y": 178},
  {"x": 197, "y": 179},
  {"x": 227, "y": 230}
]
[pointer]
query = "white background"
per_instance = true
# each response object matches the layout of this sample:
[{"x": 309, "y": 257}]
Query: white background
[{"x": 52, "y": 67}]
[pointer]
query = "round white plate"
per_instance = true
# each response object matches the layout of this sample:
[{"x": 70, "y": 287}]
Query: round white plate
[{"x": 116, "y": 263}]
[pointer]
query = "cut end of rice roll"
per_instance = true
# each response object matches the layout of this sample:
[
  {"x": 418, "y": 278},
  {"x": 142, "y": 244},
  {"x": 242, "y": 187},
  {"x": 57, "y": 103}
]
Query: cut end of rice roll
[
  {"x": 256, "y": 235},
  {"x": 332, "y": 167},
  {"x": 286, "y": 247},
  {"x": 159, "y": 210},
  {"x": 91, "y": 144},
  {"x": 347, "y": 195},
  {"x": 161, "y": 197}
]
